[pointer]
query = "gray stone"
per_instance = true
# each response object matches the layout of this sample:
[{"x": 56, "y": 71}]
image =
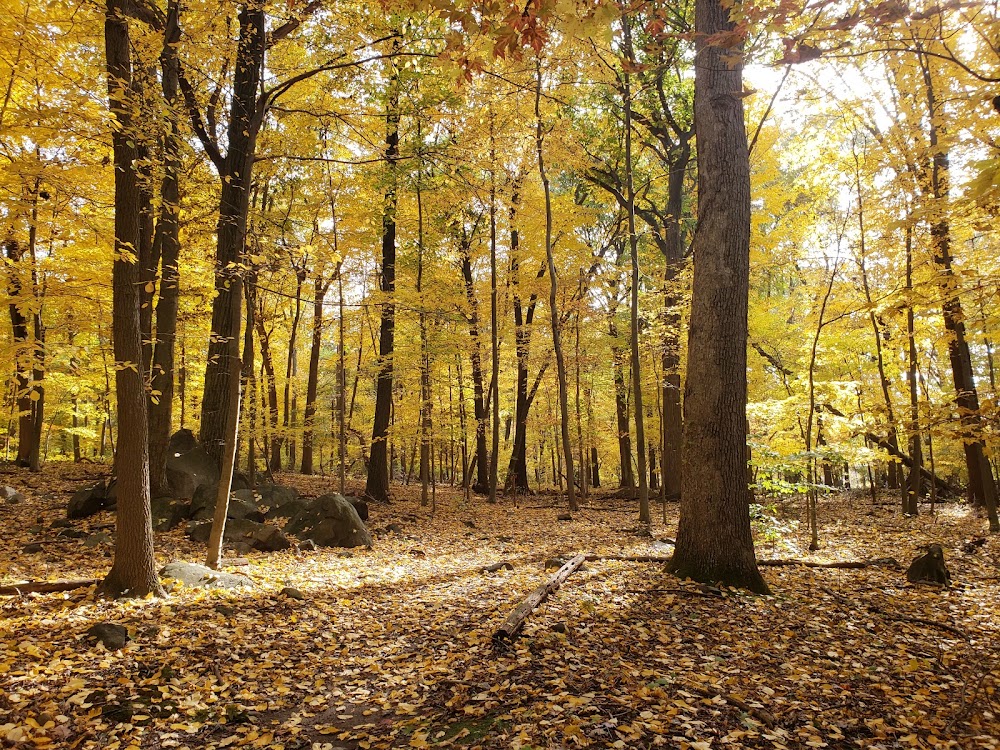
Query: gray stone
[
  {"x": 73, "y": 534},
  {"x": 188, "y": 471},
  {"x": 242, "y": 504},
  {"x": 259, "y": 536},
  {"x": 168, "y": 513},
  {"x": 360, "y": 505},
  {"x": 181, "y": 441},
  {"x": 274, "y": 495},
  {"x": 199, "y": 576},
  {"x": 112, "y": 635},
  {"x": 330, "y": 521},
  {"x": 101, "y": 537},
  {"x": 10, "y": 496},
  {"x": 88, "y": 501}
]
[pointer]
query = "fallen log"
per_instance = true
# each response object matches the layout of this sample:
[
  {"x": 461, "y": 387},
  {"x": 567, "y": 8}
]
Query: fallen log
[
  {"x": 943, "y": 487},
  {"x": 508, "y": 632},
  {"x": 881, "y": 562},
  {"x": 45, "y": 587}
]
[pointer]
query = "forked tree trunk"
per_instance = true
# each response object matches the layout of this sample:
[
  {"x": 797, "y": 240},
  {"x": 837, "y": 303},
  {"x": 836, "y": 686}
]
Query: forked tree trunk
[
  {"x": 714, "y": 542},
  {"x": 133, "y": 571}
]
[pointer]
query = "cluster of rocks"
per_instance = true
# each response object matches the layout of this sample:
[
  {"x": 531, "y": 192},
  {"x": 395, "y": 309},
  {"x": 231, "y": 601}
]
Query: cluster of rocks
[{"x": 193, "y": 477}]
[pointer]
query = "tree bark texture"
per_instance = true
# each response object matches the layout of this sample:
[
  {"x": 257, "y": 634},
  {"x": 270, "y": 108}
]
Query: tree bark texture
[
  {"x": 312, "y": 382},
  {"x": 133, "y": 570},
  {"x": 377, "y": 486},
  {"x": 244, "y": 125},
  {"x": 482, "y": 483},
  {"x": 168, "y": 241},
  {"x": 714, "y": 542}
]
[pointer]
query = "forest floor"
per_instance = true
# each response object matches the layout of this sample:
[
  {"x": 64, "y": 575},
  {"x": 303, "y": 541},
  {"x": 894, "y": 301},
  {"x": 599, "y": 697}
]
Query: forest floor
[{"x": 391, "y": 647}]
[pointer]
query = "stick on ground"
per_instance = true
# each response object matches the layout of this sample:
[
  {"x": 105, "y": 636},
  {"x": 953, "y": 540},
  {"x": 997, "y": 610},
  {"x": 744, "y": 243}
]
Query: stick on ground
[
  {"x": 45, "y": 587},
  {"x": 512, "y": 626}
]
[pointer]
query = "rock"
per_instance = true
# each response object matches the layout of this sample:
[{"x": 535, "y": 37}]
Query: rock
[
  {"x": 293, "y": 593},
  {"x": 112, "y": 635},
  {"x": 101, "y": 537},
  {"x": 258, "y": 536},
  {"x": 269, "y": 538},
  {"x": 330, "y": 521},
  {"x": 242, "y": 504},
  {"x": 10, "y": 496},
  {"x": 73, "y": 534},
  {"x": 308, "y": 546},
  {"x": 274, "y": 495},
  {"x": 32, "y": 548},
  {"x": 168, "y": 513},
  {"x": 360, "y": 505},
  {"x": 88, "y": 501},
  {"x": 282, "y": 502},
  {"x": 188, "y": 471},
  {"x": 181, "y": 441},
  {"x": 199, "y": 576}
]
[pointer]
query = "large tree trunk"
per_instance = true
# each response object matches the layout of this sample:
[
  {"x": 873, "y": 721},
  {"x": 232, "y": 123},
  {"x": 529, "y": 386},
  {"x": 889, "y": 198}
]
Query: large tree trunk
[
  {"x": 672, "y": 426},
  {"x": 244, "y": 124},
  {"x": 133, "y": 571},
  {"x": 714, "y": 542},
  {"x": 981, "y": 484},
  {"x": 168, "y": 242},
  {"x": 377, "y": 486}
]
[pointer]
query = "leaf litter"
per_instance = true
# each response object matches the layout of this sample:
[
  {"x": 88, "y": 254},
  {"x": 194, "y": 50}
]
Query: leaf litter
[{"x": 391, "y": 647}]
